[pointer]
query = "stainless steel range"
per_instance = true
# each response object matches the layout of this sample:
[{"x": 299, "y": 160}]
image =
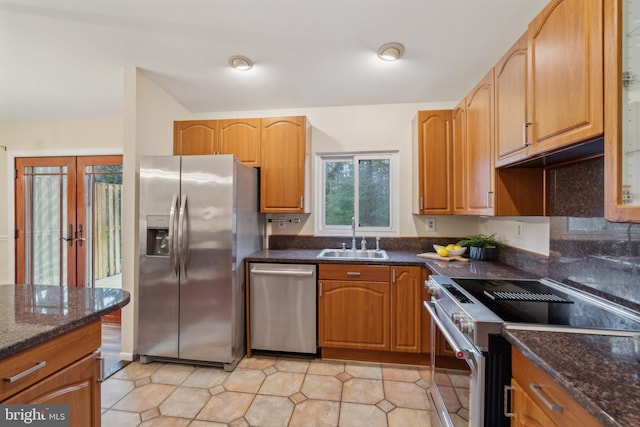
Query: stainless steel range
[{"x": 470, "y": 314}]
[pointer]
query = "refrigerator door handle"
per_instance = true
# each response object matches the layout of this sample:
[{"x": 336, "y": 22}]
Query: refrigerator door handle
[
  {"x": 183, "y": 235},
  {"x": 173, "y": 241}
]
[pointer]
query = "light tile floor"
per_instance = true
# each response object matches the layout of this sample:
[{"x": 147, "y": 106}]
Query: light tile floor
[{"x": 267, "y": 391}]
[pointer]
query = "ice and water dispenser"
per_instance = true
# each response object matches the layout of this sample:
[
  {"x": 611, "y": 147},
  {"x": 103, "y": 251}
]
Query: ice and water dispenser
[{"x": 158, "y": 235}]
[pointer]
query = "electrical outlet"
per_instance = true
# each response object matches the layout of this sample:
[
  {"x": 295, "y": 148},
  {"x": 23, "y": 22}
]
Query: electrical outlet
[
  {"x": 282, "y": 224},
  {"x": 519, "y": 230},
  {"x": 431, "y": 224}
]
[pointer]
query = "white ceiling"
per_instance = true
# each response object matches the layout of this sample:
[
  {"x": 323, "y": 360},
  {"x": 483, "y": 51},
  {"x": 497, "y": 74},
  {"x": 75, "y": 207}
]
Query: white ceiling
[{"x": 65, "y": 58}]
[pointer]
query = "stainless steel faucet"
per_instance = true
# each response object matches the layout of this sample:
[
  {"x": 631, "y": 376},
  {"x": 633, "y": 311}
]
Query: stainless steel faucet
[{"x": 353, "y": 230}]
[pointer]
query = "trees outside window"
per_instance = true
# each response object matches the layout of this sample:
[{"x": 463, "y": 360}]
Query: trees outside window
[{"x": 358, "y": 186}]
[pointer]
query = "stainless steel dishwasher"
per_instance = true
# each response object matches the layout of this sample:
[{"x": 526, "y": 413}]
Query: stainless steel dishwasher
[{"x": 283, "y": 307}]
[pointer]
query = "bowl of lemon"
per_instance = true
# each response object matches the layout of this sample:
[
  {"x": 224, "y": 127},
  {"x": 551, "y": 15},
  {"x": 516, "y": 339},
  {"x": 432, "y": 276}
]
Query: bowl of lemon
[{"x": 449, "y": 250}]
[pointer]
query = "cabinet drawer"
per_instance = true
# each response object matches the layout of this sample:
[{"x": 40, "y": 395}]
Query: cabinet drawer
[
  {"x": 49, "y": 356},
  {"x": 371, "y": 273},
  {"x": 527, "y": 373}
]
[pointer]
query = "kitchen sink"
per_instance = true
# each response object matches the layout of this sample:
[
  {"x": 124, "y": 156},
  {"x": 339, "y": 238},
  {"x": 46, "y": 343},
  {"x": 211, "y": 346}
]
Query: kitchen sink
[{"x": 349, "y": 254}]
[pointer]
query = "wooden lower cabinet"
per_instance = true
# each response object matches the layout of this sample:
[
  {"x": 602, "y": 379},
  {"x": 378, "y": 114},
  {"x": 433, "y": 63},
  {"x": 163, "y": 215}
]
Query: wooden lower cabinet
[
  {"x": 68, "y": 373},
  {"x": 76, "y": 385},
  {"x": 530, "y": 409},
  {"x": 354, "y": 311},
  {"x": 527, "y": 413},
  {"x": 406, "y": 309},
  {"x": 375, "y": 308}
]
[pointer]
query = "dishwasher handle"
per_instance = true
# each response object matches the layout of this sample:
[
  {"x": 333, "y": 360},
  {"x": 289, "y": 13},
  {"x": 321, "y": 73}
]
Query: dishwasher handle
[{"x": 293, "y": 273}]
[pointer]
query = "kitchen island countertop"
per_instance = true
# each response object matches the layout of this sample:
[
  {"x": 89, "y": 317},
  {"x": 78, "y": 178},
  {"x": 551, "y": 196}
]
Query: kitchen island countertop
[{"x": 32, "y": 314}]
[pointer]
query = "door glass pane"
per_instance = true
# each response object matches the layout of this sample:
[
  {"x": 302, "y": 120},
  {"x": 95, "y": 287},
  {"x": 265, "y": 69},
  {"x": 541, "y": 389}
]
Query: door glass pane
[
  {"x": 374, "y": 192},
  {"x": 339, "y": 192},
  {"x": 45, "y": 225},
  {"x": 103, "y": 226}
]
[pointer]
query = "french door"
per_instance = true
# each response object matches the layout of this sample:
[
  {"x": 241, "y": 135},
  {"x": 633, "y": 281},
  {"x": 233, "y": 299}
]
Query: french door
[{"x": 68, "y": 220}]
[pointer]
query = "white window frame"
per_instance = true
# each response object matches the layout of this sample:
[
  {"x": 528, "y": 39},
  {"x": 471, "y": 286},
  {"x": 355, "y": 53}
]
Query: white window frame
[{"x": 322, "y": 229}]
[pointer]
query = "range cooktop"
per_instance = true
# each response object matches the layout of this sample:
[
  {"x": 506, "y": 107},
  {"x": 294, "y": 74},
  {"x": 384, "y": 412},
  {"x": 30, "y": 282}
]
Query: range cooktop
[{"x": 545, "y": 302}]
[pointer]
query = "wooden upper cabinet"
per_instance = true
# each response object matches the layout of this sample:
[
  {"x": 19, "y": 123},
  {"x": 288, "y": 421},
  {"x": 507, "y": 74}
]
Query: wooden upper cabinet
[
  {"x": 240, "y": 137},
  {"x": 283, "y": 155},
  {"x": 432, "y": 159},
  {"x": 622, "y": 144},
  {"x": 195, "y": 137},
  {"x": 459, "y": 164},
  {"x": 565, "y": 58},
  {"x": 479, "y": 148},
  {"x": 511, "y": 105}
]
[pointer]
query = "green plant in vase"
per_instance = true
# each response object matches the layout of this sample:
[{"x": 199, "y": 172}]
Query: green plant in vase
[{"x": 478, "y": 245}]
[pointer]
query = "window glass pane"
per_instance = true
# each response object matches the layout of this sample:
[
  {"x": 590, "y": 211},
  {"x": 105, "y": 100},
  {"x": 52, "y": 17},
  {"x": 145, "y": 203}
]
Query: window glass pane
[
  {"x": 373, "y": 193},
  {"x": 339, "y": 192}
]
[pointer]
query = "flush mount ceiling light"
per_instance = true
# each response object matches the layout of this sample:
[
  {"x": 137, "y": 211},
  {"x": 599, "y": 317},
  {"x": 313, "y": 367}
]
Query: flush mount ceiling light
[
  {"x": 241, "y": 63},
  {"x": 390, "y": 51}
]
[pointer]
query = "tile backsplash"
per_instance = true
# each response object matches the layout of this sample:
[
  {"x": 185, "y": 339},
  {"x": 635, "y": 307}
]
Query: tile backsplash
[{"x": 599, "y": 255}]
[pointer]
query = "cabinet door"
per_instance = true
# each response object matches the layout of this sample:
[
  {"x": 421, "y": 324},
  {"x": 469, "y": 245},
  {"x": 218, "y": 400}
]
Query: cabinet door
[
  {"x": 459, "y": 168},
  {"x": 479, "y": 148},
  {"x": 406, "y": 313},
  {"x": 282, "y": 154},
  {"x": 511, "y": 104},
  {"x": 240, "y": 137},
  {"x": 76, "y": 385},
  {"x": 433, "y": 162},
  {"x": 195, "y": 137},
  {"x": 526, "y": 412},
  {"x": 565, "y": 73},
  {"x": 353, "y": 314}
]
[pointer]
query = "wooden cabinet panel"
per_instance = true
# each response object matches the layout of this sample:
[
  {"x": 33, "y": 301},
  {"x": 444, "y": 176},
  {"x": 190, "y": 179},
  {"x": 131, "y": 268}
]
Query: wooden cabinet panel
[
  {"x": 406, "y": 309},
  {"x": 525, "y": 373},
  {"x": 240, "y": 137},
  {"x": 283, "y": 153},
  {"x": 55, "y": 353},
  {"x": 432, "y": 162},
  {"x": 565, "y": 62},
  {"x": 526, "y": 412},
  {"x": 76, "y": 385},
  {"x": 511, "y": 105},
  {"x": 373, "y": 273},
  {"x": 479, "y": 148},
  {"x": 459, "y": 161},
  {"x": 195, "y": 137},
  {"x": 353, "y": 314}
]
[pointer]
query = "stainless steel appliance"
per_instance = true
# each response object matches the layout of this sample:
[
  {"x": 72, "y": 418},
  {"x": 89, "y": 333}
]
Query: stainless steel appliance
[
  {"x": 470, "y": 314},
  {"x": 283, "y": 307},
  {"x": 199, "y": 219}
]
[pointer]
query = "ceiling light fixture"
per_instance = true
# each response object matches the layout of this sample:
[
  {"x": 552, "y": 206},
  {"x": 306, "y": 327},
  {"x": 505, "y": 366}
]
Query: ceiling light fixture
[
  {"x": 241, "y": 63},
  {"x": 391, "y": 51}
]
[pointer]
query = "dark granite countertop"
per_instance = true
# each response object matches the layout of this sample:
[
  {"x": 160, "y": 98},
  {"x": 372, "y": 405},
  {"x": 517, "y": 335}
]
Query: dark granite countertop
[
  {"x": 460, "y": 269},
  {"x": 31, "y": 314},
  {"x": 599, "y": 372}
]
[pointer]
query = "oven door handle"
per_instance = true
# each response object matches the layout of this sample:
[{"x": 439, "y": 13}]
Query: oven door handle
[{"x": 460, "y": 353}]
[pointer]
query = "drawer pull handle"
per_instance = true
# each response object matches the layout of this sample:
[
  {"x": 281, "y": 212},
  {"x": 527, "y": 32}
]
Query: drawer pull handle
[
  {"x": 507, "y": 393},
  {"x": 536, "y": 388},
  {"x": 26, "y": 372},
  {"x": 353, "y": 273}
]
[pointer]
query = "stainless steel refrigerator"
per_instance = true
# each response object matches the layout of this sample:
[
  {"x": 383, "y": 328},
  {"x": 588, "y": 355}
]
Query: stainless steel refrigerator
[{"x": 199, "y": 219}]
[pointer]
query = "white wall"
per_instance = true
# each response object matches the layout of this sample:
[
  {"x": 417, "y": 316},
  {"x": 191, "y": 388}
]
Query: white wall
[
  {"x": 148, "y": 130},
  {"x": 46, "y": 138}
]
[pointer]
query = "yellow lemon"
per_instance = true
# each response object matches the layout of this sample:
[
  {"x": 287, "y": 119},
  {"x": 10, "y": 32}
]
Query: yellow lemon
[
  {"x": 457, "y": 247},
  {"x": 442, "y": 251},
  {"x": 451, "y": 247}
]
